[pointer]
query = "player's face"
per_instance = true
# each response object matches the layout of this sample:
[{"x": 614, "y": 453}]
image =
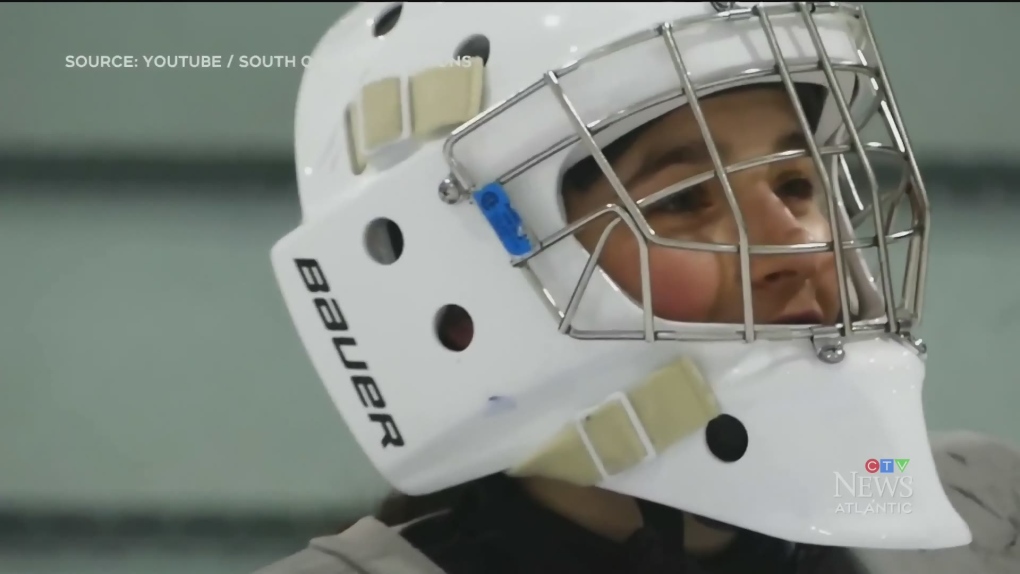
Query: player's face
[{"x": 780, "y": 203}]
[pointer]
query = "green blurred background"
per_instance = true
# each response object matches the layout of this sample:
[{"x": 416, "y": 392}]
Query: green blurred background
[{"x": 157, "y": 413}]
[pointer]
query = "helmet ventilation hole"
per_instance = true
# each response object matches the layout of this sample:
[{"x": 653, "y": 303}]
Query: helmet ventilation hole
[
  {"x": 387, "y": 19},
  {"x": 384, "y": 241},
  {"x": 454, "y": 327},
  {"x": 476, "y": 46}
]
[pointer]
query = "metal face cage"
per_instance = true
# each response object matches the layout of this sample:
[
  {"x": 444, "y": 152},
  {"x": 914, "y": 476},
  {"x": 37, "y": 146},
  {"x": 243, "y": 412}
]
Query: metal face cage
[{"x": 862, "y": 206}]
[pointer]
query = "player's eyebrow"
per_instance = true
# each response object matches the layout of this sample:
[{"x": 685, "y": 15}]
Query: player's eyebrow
[{"x": 680, "y": 153}]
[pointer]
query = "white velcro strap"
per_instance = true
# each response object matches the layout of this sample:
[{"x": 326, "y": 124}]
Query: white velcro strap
[
  {"x": 438, "y": 101},
  {"x": 628, "y": 429},
  {"x": 446, "y": 97},
  {"x": 352, "y": 126},
  {"x": 382, "y": 113}
]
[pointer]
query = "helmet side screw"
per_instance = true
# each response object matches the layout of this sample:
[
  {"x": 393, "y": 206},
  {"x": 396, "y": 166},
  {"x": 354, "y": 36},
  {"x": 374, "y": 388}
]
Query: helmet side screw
[{"x": 449, "y": 192}]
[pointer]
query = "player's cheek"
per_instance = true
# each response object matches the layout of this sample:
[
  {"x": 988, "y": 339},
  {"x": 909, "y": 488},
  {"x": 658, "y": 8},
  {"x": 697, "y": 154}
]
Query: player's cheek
[{"x": 683, "y": 283}]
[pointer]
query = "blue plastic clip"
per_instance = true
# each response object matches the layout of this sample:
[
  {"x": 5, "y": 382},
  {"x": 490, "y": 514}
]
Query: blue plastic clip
[{"x": 495, "y": 205}]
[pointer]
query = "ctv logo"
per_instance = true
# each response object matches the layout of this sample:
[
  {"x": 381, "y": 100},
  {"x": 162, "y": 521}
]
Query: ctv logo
[
  {"x": 875, "y": 491},
  {"x": 886, "y": 465}
]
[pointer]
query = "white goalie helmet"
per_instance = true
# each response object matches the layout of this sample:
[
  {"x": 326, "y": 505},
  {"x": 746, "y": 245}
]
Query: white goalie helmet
[{"x": 431, "y": 140}]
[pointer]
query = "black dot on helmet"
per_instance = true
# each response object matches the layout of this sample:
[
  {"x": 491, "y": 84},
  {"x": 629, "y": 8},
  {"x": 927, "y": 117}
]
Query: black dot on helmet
[
  {"x": 727, "y": 438},
  {"x": 387, "y": 19}
]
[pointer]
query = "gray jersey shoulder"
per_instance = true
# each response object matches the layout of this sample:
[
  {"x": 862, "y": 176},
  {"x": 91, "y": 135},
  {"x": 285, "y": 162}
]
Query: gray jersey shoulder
[
  {"x": 367, "y": 547},
  {"x": 981, "y": 475}
]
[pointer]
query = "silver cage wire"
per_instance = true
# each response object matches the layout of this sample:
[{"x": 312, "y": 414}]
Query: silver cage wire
[{"x": 881, "y": 211}]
